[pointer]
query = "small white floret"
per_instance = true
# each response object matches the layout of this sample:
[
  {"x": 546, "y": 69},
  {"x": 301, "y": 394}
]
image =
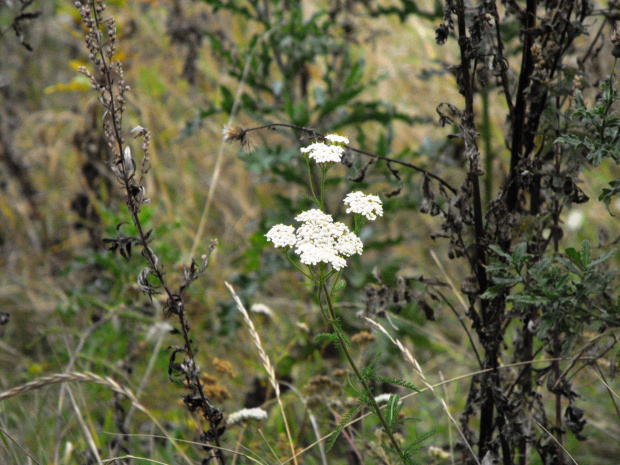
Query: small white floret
[
  {"x": 382, "y": 398},
  {"x": 575, "y": 220},
  {"x": 349, "y": 244}
]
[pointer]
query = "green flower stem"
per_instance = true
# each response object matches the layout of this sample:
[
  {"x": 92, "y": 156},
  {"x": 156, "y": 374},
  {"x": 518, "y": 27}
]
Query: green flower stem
[
  {"x": 309, "y": 276},
  {"x": 331, "y": 292},
  {"x": 316, "y": 200},
  {"x": 375, "y": 407},
  {"x": 323, "y": 176}
]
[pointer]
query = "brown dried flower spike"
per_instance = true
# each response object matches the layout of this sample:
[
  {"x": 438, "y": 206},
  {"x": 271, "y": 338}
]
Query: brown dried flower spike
[{"x": 238, "y": 134}]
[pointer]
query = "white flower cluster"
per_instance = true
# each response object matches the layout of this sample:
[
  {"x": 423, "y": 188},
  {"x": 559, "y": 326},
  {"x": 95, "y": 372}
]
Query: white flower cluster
[
  {"x": 318, "y": 240},
  {"x": 336, "y": 139},
  {"x": 245, "y": 415},
  {"x": 323, "y": 153},
  {"x": 369, "y": 206},
  {"x": 282, "y": 236},
  {"x": 327, "y": 153}
]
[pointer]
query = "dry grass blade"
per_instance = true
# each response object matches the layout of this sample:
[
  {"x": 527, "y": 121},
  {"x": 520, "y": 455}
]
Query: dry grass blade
[
  {"x": 455, "y": 289},
  {"x": 412, "y": 394},
  {"x": 416, "y": 366},
  {"x": 83, "y": 338},
  {"x": 87, "y": 377},
  {"x": 604, "y": 383},
  {"x": 18, "y": 446},
  {"x": 65, "y": 377},
  {"x": 313, "y": 422},
  {"x": 112, "y": 460},
  {"x": 185, "y": 441},
  {"x": 146, "y": 374},
  {"x": 556, "y": 441},
  {"x": 450, "y": 441},
  {"x": 273, "y": 452},
  {"x": 266, "y": 364},
  {"x": 84, "y": 427}
]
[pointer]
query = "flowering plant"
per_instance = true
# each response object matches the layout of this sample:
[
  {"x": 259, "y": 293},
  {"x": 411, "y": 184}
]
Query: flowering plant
[
  {"x": 323, "y": 246},
  {"x": 320, "y": 241}
]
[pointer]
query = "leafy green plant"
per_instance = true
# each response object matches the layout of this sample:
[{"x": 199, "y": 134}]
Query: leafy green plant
[
  {"x": 323, "y": 247},
  {"x": 570, "y": 290},
  {"x": 522, "y": 224},
  {"x": 598, "y": 134},
  {"x": 499, "y": 184}
]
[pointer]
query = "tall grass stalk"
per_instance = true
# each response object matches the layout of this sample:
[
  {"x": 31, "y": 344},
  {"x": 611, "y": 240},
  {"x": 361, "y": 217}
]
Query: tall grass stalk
[{"x": 271, "y": 373}]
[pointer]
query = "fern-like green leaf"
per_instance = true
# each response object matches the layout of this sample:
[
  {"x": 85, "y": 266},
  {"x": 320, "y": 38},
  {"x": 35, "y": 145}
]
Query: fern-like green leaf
[
  {"x": 393, "y": 409},
  {"x": 413, "y": 446},
  {"x": 346, "y": 418},
  {"x": 339, "y": 331},
  {"x": 396, "y": 382},
  {"x": 351, "y": 389},
  {"x": 327, "y": 337}
]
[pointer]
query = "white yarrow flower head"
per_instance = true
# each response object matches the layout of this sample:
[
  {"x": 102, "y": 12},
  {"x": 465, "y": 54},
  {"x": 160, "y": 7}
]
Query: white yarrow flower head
[
  {"x": 335, "y": 139},
  {"x": 349, "y": 244},
  {"x": 320, "y": 240},
  {"x": 369, "y": 206},
  {"x": 282, "y": 236},
  {"x": 314, "y": 216},
  {"x": 323, "y": 153},
  {"x": 246, "y": 414}
]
